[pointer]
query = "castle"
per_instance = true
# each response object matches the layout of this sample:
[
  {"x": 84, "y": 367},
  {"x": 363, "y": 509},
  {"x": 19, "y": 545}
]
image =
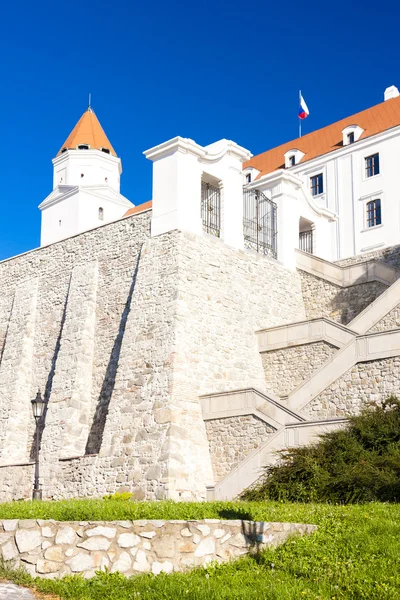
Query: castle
[{"x": 251, "y": 305}]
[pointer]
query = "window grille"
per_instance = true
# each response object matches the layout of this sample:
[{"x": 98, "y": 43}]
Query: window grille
[
  {"x": 259, "y": 223},
  {"x": 372, "y": 165},
  {"x": 306, "y": 241},
  {"x": 374, "y": 216},
  {"x": 211, "y": 208},
  {"x": 317, "y": 184}
]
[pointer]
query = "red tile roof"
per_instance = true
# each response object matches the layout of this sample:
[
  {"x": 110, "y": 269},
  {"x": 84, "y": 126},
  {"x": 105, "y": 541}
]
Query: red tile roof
[
  {"x": 374, "y": 120},
  {"x": 139, "y": 208}
]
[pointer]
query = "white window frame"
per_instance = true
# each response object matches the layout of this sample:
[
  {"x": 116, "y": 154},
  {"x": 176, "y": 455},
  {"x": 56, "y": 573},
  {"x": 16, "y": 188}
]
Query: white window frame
[
  {"x": 364, "y": 166},
  {"x": 364, "y": 200}
]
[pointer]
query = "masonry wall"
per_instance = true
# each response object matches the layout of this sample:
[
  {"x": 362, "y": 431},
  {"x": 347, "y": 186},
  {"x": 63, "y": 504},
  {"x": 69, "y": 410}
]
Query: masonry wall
[
  {"x": 122, "y": 333},
  {"x": 363, "y": 384},
  {"x": 325, "y": 299},
  {"x": 389, "y": 321},
  {"x": 390, "y": 256},
  {"x": 231, "y": 439},
  {"x": 286, "y": 368},
  {"x": 52, "y": 549}
]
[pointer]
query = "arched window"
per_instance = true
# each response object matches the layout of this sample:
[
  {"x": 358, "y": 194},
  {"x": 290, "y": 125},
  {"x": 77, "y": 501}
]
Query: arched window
[
  {"x": 101, "y": 214},
  {"x": 374, "y": 216}
]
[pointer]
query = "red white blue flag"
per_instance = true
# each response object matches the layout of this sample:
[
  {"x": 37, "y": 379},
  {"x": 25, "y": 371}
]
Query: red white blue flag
[{"x": 303, "y": 110}]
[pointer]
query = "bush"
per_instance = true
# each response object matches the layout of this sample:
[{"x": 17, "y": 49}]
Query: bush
[{"x": 360, "y": 463}]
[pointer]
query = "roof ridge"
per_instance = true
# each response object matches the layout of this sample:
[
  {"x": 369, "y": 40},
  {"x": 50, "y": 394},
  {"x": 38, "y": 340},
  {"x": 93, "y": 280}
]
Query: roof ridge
[{"x": 373, "y": 120}]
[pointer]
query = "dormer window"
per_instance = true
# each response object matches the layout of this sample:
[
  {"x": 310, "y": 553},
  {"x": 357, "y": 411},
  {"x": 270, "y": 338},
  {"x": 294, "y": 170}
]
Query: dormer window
[
  {"x": 83, "y": 147},
  {"x": 248, "y": 177},
  {"x": 293, "y": 157},
  {"x": 351, "y": 134},
  {"x": 64, "y": 150},
  {"x": 105, "y": 150}
]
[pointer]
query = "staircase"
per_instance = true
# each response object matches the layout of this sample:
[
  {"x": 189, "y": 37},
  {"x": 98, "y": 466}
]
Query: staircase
[{"x": 354, "y": 343}]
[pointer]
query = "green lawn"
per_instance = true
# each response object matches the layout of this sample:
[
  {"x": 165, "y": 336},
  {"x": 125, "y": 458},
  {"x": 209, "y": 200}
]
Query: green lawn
[{"x": 354, "y": 554}]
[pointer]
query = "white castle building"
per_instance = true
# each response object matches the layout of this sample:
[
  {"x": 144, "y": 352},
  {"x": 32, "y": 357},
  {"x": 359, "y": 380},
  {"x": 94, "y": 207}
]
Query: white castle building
[{"x": 252, "y": 304}]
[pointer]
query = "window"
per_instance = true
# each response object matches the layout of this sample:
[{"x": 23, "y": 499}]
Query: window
[
  {"x": 59, "y": 223},
  {"x": 317, "y": 184},
  {"x": 292, "y": 161},
  {"x": 101, "y": 214},
  {"x": 350, "y": 138},
  {"x": 64, "y": 150},
  {"x": 248, "y": 178},
  {"x": 106, "y": 150},
  {"x": 374, "y": 216},
  {"x": 372, "y": 165},
  {"x": 83, "y": 147}
]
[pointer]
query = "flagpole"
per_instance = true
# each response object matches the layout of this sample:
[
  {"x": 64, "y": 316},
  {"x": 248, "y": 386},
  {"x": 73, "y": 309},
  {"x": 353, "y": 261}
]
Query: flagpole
[{"x": 299, "y": 117}]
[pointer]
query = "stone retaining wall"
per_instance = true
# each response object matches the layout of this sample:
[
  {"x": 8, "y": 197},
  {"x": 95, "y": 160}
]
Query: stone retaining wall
[
  {"x": 231, "y": 439},
  {"x": 362, "y": 385},
  {"x": 53, "y": 549},
  {"x": 325, "y": 299},
  {"x": 286, "y": 368},
  {"x": 390, "y": 256}
]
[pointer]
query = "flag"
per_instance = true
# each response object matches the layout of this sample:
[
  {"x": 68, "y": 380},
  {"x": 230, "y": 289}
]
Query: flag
[{"x": 303, "y": 110}]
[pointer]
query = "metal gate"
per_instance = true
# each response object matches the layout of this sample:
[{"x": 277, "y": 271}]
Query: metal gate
[
  {"x": 211, "y": 208},
  {"x": 259, "y": 222},
  {"x": 306, "y": 241}
]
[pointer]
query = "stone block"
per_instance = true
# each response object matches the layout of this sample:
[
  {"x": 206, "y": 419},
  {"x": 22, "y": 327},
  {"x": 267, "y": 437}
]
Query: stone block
[
  {"x": 27, "y": 539},
  {"x": 127, "y": 540},
  {"x": 66, "y": 535},
  {"x": 81, "y": 562},
  {"x": 95, "y": 543},
  {"x": 164, "y": 547},
  {"x": 108, "y": 532}
]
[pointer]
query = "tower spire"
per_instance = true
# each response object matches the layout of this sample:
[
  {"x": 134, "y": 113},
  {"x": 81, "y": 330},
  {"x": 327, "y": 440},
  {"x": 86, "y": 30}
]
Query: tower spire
[{"x": 90, "y": 103}]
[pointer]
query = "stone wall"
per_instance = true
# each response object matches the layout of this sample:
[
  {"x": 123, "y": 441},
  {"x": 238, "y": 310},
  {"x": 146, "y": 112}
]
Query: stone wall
[
  {"x": 363, "y": 384},
  {"x": 53, "y": 549},
  {"x": 122, "y": 333},
  {"x": 231, "y": 439},
  {"x": 286, "y": 368},
  {"x": 325, "y": 299},
  {"x": 389, "y": 321},
  {"x": 390, "y": 256}
]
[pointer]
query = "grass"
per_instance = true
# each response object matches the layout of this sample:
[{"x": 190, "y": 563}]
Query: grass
[{"x": 355, "y": 554}]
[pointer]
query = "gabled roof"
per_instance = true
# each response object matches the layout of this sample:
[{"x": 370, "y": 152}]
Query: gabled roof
[
  {"x": 374, "y": 120},
  {"x": 88, "y": 131}
]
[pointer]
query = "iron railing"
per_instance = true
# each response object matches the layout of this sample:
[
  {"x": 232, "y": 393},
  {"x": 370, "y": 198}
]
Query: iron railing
[
  {"x": 306, "y": 241},
  {"x": 211, "y": 208},
  {"x": 259, "y": 222}
]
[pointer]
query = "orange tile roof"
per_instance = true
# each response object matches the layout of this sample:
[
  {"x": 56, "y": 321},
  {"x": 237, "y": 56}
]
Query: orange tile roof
[
  {"x": 139, "y": 208},
  {"x": 88, "y": 131},
  {"x": 374, "y": 120}
]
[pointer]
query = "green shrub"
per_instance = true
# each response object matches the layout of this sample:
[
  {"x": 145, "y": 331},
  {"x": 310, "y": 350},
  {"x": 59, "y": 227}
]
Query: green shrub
[
  {"x": 360, "y": 463},
  {"x": 124, "y": 496}
]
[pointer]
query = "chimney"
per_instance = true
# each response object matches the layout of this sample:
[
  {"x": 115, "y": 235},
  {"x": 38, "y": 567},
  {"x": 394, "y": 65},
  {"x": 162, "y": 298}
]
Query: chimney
[{"x": 391, "y": 92}]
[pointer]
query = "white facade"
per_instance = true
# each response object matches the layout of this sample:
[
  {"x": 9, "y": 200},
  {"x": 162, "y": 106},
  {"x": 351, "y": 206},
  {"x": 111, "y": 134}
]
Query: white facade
[
  {"x": 86, "y": 194},
  {"x": 337, "y": 200},
  {"x": 349, "y": 184}
]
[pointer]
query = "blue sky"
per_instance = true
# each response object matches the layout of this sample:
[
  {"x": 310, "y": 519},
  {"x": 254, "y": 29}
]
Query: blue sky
[{"x": 204, "y": 70}]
